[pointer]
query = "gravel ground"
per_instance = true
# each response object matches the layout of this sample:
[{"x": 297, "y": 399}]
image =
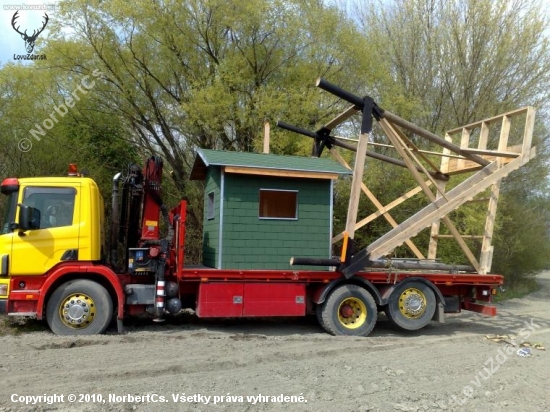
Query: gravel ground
[{"x": 287, "y": 365}]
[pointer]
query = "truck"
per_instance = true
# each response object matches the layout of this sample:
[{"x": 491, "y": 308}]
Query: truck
[{"x": 60, "y": 264}]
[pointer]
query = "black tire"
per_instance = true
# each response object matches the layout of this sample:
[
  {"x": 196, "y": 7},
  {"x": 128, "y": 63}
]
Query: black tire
[
  {"x": 79, "y": 307},
  {"x": 319, "y": 313},
  {"x": 349, "y": 310},
  {"x": 411, "y": 305}
]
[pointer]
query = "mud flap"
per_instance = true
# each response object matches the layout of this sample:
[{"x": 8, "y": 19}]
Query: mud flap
[
  {"x": 119, "y": 326},
  {"x": 439, "y": 315}
]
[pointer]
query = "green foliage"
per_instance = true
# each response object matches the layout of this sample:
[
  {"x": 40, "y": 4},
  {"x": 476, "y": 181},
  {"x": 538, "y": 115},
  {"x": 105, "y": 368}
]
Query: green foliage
[
  {"x": 199, "y": 74},
  {"x": 80, "y": 134},
  {"x": 449, "y": 63},
  {"x": 188, "y": 74},
  {"x": 528, "y": 284},
  {"x": 521, "y": 244},
  {"x": 455, "y": 62}
]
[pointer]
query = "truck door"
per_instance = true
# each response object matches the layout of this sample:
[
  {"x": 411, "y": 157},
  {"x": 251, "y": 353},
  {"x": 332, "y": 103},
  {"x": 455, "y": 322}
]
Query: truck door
[{"x": 34, "y": 252}]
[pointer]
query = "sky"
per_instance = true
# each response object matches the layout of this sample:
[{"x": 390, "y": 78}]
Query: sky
[{"x": 30, "y": 18}]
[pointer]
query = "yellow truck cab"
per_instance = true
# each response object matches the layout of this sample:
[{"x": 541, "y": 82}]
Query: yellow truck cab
[{"x": 48, "y": 221}]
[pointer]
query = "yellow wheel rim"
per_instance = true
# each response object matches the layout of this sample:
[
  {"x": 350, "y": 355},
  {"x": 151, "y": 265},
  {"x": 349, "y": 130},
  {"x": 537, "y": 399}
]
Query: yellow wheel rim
[
  {"x": 412, "y": 303},
  {"x": 77, "y": 311},
  {"x": 352, "y": 313}
]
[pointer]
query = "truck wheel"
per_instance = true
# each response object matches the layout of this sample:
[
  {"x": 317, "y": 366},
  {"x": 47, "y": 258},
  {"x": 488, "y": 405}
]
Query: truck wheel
[
  {"x": 411, "y": 305},
  {"x": 319, "y": 314},
  {"x": 79, "y": 307},
  {"x": 349, "y": 310}
]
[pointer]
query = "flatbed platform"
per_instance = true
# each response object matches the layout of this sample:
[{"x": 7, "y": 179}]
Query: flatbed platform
[{"x": 205, "y": 274}]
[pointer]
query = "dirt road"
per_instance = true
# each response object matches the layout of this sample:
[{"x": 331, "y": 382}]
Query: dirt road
[{"x": 211, "y": 365}]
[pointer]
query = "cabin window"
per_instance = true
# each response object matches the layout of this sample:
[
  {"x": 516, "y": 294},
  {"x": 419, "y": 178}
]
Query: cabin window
[
  {"x": 210, "y": 206},
  {"x": 55, "y": 204},
  {"x": 278, "y": 204}
]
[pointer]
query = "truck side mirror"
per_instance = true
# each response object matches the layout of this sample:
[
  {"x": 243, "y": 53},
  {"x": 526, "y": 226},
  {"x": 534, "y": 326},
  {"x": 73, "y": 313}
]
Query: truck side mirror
[{"x": 29, "y": 217}]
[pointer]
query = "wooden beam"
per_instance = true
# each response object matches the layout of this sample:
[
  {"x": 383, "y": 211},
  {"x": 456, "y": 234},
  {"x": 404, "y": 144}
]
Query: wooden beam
[
  {"x": 266, "y": 137},
  {"x": 279, "y": 173},
  {"x": 390, "y": 146},
  {"x": 382, "y": 210},
  {"x": 486, "y": 256},
  {"x": 464, "y": 143},
  {"x": 453, "y": 168},
  {"x": 483, "y": 136},
  {"x": 391, "y": 220},
  {"x": 459, "y": 195},
  {"x": 356, "y": 182},
  {"x": 407, "y": 155},
  {"x": 370, "y": 154},
  {"x": 394, "y": 138},
  {"x": 415, "y": 149},
  {"x": 491, "y": 119},
  {"x": 342, "y": 117},
  {"x": 528, "y": 134},
  {"x": 493, "y": 153},
  {"x": 504, "y": 133},
  {"x": 479, "y": 199},
  {"x": 493, "y": 170},
  {"x": 462, "y": 236},
  {"x": 434, "y": 231},
  {"x": 396, "y": 120},
  {"x": 399, "y": 146},
  {"x": 432, "y": 247}
]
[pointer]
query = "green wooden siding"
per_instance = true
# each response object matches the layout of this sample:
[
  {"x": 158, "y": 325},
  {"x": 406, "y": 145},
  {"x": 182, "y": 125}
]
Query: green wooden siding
[
  {"x": 237, "y": 238},
  {"x": 211, "y": 228},
  {"x": 253, "y": 243}
]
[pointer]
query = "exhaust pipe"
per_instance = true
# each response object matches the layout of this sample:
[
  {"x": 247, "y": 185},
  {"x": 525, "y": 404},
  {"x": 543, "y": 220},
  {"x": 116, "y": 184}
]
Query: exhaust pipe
[{"x": 115, "y": 222}]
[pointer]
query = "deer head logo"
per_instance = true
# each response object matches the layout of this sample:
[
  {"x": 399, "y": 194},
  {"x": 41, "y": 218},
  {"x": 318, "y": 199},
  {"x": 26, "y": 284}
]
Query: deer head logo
[{"x": 29, "y": 40}]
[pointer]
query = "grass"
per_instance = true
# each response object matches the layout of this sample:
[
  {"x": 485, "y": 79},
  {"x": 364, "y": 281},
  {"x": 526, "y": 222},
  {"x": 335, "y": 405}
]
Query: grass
[
  {"x": 18, "y": 325},
  {"x": 518, "y": 289}
]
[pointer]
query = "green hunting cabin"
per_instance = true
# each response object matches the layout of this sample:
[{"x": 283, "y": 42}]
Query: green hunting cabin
[{"x": 262, "y": 209}]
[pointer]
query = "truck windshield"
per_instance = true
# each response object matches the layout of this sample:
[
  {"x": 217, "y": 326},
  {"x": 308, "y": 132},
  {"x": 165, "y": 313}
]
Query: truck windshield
[{"x": 9, "y": 212}]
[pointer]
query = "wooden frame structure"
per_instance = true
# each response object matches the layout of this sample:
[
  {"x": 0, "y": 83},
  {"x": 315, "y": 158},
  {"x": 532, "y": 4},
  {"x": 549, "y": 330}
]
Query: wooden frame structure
[{"x": 488, "y": 151}]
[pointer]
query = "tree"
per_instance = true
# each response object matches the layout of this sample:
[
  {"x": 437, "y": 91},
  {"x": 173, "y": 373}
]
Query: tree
[
  {"x": 188, "y": 74},
  {"x": 178, "y": 75},
  {"x": 41, "y": 135},
  {"x": 460, "y": 61},
  {"x": 450, "y": 63},
  {"x": 194, "y": 74}
]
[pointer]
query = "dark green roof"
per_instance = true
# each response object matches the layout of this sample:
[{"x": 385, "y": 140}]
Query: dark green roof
[{"x": 206, "y": 158}]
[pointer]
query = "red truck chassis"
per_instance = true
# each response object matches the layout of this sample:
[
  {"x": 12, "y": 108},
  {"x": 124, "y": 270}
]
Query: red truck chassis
[{"x": 263, "y": 293}]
